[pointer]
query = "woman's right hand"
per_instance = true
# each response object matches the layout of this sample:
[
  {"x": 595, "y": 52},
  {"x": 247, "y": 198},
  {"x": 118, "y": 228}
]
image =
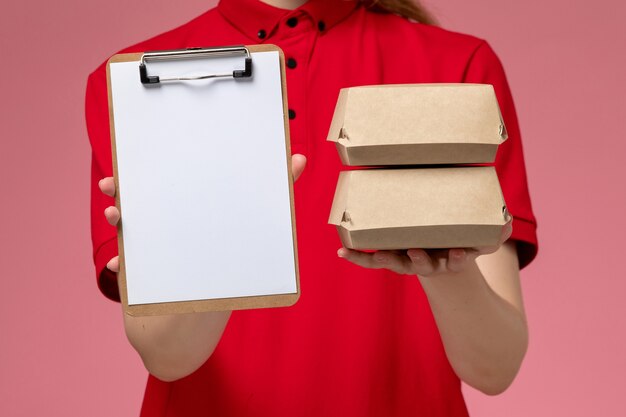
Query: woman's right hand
[
  {"x": 174, "y": 346},
  {"x": 112, "y": 214}
]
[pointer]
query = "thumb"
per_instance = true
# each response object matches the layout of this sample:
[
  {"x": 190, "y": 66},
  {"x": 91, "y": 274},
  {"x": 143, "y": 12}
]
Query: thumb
[{"x": 298, "y": 162}]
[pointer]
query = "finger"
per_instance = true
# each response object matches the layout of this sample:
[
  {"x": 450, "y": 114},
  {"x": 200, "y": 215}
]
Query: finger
[
  {"x": 112, "y": 215},
  {"x": 422, "y": 264},
  {"x": 298, "y": 162},
  {"x": 107, "y": 186},
  {"x": 366, "y": 260},
  {"x": 457, "y": 259},
  {"x": 395, "y": 261},
  {"x": 114, "y": 264},
  {"x": 471, "y": 254}
]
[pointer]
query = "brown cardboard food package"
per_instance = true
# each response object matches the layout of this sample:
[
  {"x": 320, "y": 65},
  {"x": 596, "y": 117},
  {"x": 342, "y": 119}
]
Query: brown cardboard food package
[
  {"x": 417, "y": 124},
  {"x": 419, "y": 208}
]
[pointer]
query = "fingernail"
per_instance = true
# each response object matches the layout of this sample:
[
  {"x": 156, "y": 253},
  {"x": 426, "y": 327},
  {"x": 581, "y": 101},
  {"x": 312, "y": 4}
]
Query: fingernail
[
  {"x": 340, "y": 252},
  {"x": 415, "y": 256}
]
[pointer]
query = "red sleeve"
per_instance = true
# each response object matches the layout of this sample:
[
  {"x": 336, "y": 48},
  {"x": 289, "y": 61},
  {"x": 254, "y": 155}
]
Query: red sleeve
[
  {"x": 104, "y": 236},
  {"x": 485, "y": 67}
]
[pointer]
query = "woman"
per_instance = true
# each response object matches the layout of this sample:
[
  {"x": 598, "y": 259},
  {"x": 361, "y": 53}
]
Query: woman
[{"x": 384, "y": 334}]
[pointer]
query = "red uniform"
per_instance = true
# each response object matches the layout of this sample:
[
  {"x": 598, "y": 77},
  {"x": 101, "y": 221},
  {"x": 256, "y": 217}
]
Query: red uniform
[{"x": 359, "y": 342}]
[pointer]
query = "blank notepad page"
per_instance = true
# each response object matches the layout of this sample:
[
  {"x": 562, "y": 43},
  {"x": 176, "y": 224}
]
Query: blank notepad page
[{"x": 203, "y": 181}]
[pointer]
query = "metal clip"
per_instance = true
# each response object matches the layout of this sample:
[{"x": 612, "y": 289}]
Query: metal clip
[{"x": 195, "y": 53}]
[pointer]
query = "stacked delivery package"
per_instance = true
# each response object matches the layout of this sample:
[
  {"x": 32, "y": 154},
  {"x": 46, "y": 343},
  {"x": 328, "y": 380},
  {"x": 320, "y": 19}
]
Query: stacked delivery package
[{"x": 426, "y": 190}]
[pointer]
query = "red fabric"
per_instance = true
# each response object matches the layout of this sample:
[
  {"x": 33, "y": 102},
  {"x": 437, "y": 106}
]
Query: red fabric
[{"x": 359, "y": 342}]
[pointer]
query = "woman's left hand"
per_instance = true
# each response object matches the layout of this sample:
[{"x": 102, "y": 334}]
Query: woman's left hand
[
  {"x": 472, "y": 302},
  {"x": 423, "y": 262}
]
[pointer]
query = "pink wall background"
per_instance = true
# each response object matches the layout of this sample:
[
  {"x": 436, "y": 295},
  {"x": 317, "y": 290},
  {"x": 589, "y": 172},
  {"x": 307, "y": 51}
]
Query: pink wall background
[{"x": 62, "y": 347}]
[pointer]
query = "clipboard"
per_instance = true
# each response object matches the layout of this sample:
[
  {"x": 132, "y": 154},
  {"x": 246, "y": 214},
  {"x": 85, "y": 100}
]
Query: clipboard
[{"x": 202, "y": 167}]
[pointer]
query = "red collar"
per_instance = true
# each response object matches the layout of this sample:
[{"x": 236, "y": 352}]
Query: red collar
[{"x": 252, "y": 16}]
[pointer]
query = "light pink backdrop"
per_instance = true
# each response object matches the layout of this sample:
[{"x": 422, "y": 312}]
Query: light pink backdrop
[{"x": 62, "y": 347}]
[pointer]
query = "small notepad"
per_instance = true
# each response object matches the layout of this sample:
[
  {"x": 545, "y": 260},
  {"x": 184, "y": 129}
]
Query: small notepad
[{"x": 204, "y": 184}]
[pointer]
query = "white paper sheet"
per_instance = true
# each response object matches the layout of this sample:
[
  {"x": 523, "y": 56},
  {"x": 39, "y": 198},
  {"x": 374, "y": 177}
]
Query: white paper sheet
[{"x": 203, "y": 180}]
